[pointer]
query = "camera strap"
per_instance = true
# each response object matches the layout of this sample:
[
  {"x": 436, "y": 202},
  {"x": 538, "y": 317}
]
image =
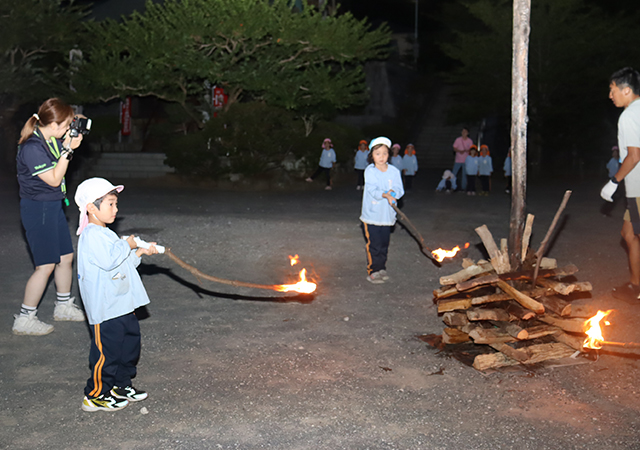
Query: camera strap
[{"x": 52, "y": 144}]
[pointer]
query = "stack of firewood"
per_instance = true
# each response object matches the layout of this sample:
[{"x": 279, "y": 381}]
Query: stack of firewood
[{"x": 488, "y": 303}]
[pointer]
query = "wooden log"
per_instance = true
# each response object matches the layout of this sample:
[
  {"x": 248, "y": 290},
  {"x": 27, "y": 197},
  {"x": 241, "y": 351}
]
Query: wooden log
[
  {"x": 445, "y": 292},
  {"x": 528, "y": 228},
  {"x": 467, "y": 262},
  {"x": 499, "y": 260},
  {"x": 525, "y": 275},
  {"x": 537, "y": 353},
  {"x": 453, "y": 304},
  {"x": 475, "y": 314},
  {"x": 571, "y": 340},
  {"x": 521, "y": 298},
  {"x": 501, "y": 296},
  {"x": 548, "y": 263},
  {"x": 503, "y": 245},
  {"x": 490, "y": 336},
  {"x": 512, "y": 329},
  {"x": 542, "y": 330},
  {"x": 571, "y": 325},
  {"x": 555, "y": 304},
  {"x": 454, "y": 336},
  {"x": 518, "y": 311},
  {"x": 476, "y": 282},
  {"x": 455, "y": 319},
  {"x": 518, "y": 355},
  {"x": 564, "y": 288},
  {"x": 465, "y": 274},
  {"x": 584, "y": 311}
]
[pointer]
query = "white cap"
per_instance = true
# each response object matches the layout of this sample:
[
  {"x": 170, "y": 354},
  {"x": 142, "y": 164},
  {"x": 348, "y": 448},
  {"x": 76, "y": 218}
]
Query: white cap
[
  {"x": 380, "y": 140},
  {"x": 88, "y": 192}
]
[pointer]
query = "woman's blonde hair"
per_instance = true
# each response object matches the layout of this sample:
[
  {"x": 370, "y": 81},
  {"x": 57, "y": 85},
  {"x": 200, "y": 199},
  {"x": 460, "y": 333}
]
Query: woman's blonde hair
[{"x": 52, "y": 110}]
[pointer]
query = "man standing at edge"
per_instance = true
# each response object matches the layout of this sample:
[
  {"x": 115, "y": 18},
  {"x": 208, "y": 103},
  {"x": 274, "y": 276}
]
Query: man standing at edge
[{"x": 624, "y": 91}]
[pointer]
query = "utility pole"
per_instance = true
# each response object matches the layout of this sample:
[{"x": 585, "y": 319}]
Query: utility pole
[{"x": 519, "y": 102}]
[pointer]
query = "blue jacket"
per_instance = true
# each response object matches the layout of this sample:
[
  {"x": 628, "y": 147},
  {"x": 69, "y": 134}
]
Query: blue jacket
[{"x": 375, "y": 208}]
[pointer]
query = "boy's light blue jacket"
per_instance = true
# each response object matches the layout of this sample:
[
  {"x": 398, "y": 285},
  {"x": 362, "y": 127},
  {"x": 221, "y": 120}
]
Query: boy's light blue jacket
[
  {"x": 471, "y": 165},
  {"x": 327, "y": 158},
  {"x": 485, "y": 165},
  {"x": 361, "y": 160},
  {"x": 376, "y": 209},
  {"x": 410, "y": 164},
  {"x": 109, "y": 283}
]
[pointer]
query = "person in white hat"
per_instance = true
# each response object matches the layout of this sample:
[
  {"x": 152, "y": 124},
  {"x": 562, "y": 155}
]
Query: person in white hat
[
  {"x": 111, "y": 291},
  {"x": 382, "y": 188},
  {"x": 327, "y": 161}
]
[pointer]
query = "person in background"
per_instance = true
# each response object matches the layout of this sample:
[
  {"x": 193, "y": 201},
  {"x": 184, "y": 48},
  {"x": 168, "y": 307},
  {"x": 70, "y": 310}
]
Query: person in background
[
  {"x": 396, "y": 158},
  {"x": 360, "y": 163},
  {"x": 410, "y": 166},
  {"x": 44, "y": 153},
  {"x": 471, "y": 167},
  {"x": 447, "y": 183},
  {"x": 327, "y": 161},
  {"x": 485, "y": 168},
  {"x": 382, "y": 188},
  {"x": 461, "y": 148},
  {"x": 507, "y": 172}
]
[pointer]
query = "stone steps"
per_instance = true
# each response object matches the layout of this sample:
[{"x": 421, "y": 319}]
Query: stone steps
[{"x": 130, "y": 165}]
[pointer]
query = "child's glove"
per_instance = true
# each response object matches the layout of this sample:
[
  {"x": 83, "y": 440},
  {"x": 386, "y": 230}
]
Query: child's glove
[
  {"x": 393, "y": 194},
  {"x": 608, "y": 190},
  {"x": 144, "y": 244}
]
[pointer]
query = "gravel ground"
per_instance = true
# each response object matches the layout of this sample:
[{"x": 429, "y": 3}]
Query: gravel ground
[{"x": 235, "y": 368}]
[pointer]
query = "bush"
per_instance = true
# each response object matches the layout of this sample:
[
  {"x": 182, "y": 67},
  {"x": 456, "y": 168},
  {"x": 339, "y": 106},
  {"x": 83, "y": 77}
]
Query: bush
[{"x": 254, "y": 138}]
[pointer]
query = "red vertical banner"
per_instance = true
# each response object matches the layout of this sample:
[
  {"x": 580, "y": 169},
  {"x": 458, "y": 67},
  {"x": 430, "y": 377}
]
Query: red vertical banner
[
  {"x": 125, "y": 116},
  {"x": 219, "y": 98}
]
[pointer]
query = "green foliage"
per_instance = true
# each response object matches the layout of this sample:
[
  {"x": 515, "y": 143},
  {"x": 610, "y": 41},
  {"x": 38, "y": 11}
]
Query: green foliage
[
  {"x": 259, "y": 49},
  {"x": 36, "y": 38},
  {"x": 574, "y": 47},
  {"x": 253, "y": 138}
]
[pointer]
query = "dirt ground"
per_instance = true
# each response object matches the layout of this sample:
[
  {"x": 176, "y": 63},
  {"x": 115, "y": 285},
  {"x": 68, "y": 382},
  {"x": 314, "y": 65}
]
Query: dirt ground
[{"x": 230, "y": 368}]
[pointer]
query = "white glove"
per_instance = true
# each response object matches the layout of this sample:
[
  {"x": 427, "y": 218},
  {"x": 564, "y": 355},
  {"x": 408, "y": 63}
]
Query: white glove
[
  {"x": 608, "y": 190},
  {"x": 144, "y": 244}
]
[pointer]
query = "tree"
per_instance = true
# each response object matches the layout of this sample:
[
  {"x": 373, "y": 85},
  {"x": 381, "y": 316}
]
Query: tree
[
  {"x": 256, "y": 49},
  {"x": 36, "y": 38},
  {"x": 574, "y": 47}
]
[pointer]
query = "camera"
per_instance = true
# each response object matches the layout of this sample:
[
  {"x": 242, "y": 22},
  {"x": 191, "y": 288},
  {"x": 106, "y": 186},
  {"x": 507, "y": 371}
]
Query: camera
[{"x": 79, "y": 125}]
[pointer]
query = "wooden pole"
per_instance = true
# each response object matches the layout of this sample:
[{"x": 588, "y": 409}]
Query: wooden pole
[{"x": 519, "y": 101}]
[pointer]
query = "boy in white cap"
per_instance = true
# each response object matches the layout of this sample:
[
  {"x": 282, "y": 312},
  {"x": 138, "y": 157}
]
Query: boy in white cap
[{"x": 111, "y": 291}]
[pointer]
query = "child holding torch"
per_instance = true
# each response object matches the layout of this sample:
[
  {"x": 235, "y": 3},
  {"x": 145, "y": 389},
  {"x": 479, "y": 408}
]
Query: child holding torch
[
  {"x": 111, "y": 291},
  {"x": 382, "y": 188}
]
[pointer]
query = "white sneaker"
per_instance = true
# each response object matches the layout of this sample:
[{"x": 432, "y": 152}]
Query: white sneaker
[
  {"x": 30, "y": 325},
  {"x": 384, "y": 275},
  {"x": 68, "y": 311},
  {"x": 328, "y": 188},
  {"x": 375, "y": 278}
]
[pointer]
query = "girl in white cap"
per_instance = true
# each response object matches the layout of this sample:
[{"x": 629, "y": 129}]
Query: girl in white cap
[{"x": 382, "y": 188}]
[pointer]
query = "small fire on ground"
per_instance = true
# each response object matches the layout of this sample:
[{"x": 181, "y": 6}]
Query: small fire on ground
[
  {"x": 440, "y": 254},
  {"x": 303, "y": 286},
  {"x": 593, "y": 330}
]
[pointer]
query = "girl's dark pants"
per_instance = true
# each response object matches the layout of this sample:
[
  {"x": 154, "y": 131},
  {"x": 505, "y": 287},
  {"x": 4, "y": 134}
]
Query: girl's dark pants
[
  {"x": 484, "y": 181},
  {"x": 114, "y": 354},
  {"x": 471, "y": 183},
  {"x": 327, "y": 172},
  {"x": 377, "y": 244},
  {"x": 408, "y": 182},
  {"x": 360, "y": 173}
]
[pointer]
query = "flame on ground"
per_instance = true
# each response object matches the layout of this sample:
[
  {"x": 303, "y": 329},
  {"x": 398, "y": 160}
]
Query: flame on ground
[
  {"x": 594, "y": 332},
  {"x": 294, "y": 259},
  {"x": 440, "y": 254},
  {"x": 303, "y": 286}
]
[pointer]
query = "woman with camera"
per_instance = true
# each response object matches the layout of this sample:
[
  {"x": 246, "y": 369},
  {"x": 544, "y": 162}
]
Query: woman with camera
[{"x": 44, "y": 152}]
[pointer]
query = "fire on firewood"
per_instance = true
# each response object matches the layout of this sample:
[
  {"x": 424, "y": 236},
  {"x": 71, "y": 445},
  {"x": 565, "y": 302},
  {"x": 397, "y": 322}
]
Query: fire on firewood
[
  {"x": 593, "y": 330},
  {"x": 440, "y": 254},
  {"x": 303, "y": 286}
]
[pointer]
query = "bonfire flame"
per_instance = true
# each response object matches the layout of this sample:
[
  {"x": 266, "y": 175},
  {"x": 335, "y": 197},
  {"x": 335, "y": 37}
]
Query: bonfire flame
[
  {"x": 440, "y": 254},
  {"x": 594, "y": 332},
  {"x": 303, "y": 286}
]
